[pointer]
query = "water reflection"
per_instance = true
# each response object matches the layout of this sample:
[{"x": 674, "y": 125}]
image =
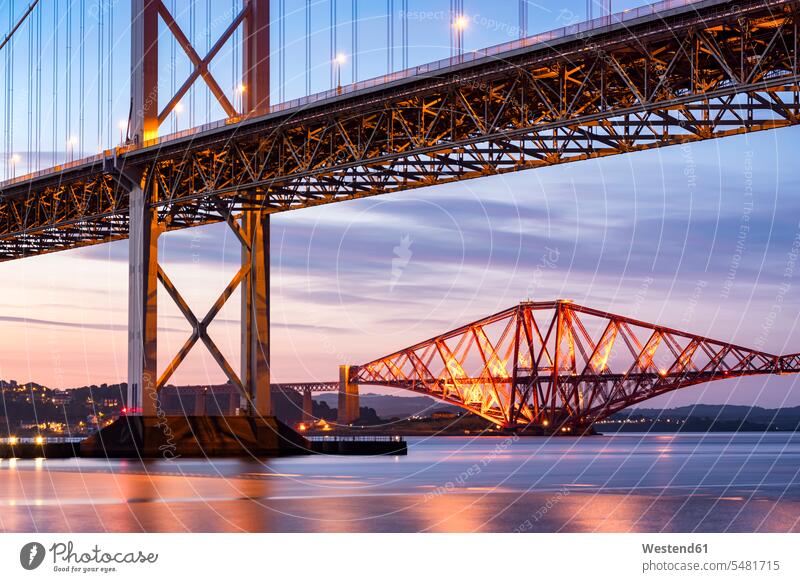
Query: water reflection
[{"x": 715, "y": 482}]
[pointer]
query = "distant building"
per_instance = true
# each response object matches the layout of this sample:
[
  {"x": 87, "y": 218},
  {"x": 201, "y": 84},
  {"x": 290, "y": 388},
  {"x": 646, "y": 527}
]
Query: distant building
[
  {"x": 220, "y": 400},
  {"x": 60, "y": 397},
  {"x": 445, "y": 415}
]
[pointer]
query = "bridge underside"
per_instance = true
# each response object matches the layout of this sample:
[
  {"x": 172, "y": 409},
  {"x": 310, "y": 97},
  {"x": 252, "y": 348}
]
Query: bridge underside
[
  {"x": 560, "y": 366},
  {"x": 704, "y": 71}
]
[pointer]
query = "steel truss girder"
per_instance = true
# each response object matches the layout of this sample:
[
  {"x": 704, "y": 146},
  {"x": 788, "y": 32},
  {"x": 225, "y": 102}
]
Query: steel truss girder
[
  {"x": 700, "y": 74},
  {"x": 560, "y": 365},
  {"x": 302, "y": 387}
]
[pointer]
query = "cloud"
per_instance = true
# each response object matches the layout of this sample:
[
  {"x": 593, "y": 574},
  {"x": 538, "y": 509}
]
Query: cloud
[{"x": 73, "y": 324}]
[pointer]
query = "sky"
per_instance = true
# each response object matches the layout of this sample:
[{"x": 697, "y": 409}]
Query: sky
[{"x": 701, "y": 237}]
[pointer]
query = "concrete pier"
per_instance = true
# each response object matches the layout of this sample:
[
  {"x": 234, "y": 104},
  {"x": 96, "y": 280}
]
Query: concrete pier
[
  {"x": 348, "y": 398},
  {"x": 308, "y": 406},
  {"x": 154, "y": 437}
]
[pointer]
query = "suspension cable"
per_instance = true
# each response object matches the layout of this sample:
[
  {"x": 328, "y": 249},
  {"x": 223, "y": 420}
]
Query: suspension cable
[{"x": 30, "y": 8}]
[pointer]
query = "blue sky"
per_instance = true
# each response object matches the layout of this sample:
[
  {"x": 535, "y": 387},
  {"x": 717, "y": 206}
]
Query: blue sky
[{"x": 698, "y": 237}]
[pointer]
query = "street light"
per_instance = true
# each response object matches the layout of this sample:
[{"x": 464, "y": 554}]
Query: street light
[
  {"x": 240, "y": 90},
  {"x": 123, "y": 130},
  {"x": 339, "y": 60},
  {"x": 72, "y": 141},
  {"x": 460, "y": 23},
  {"x": 14, "y": 159}
]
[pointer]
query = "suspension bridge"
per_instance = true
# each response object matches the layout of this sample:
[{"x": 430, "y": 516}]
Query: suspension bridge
[{"x": 669, "y": 73}]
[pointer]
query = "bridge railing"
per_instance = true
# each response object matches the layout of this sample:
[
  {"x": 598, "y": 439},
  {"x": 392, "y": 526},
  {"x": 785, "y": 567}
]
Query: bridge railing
[{"x": 356, "y": 438}]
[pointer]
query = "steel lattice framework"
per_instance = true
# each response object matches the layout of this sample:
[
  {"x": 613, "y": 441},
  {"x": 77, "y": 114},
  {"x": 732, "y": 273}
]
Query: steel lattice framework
[
  {"x": 708, "y": 70},
  {"x": 563, "y": 366},
  {"x": 301, "y": 387}
]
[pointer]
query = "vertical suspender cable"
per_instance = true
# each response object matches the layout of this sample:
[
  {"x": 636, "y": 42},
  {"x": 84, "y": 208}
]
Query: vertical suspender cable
[
  {"x": 110, "y": 76},
  {"x": 354, "y": 40},
  {"x": 29, "y": 99},
  {"x": 333, "y": 60},
  {"x": 68, "y": 57},
  {"x": 234, "y": 50},
  {"x": 7, "y": 118},
  {"x": 39, "y": 89},
  {"x": 282, "y": 50},
  {"x": 172, "y": 47},
  {"x": 389, "y": 36},
  {"x": 82, "y": 75},
  {"x": 404, "y": 24},
  {"x": 208, "y": 49},
  {"x": 235, "y": 75},
  {"x": 192, "y": 24},
  {"x": 523, "y": 18},
  {"x": 308, "y": 47},
  {"x": 57, "y": 143},
  {"x": 452, "y": 27},
  {"x": 100, "y": 72}
]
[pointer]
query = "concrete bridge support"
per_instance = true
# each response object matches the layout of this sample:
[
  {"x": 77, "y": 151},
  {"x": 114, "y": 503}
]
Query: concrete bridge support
[
  {"x": 142, "y": 304},
  {"x": 308, "y": 406},
  {"x": 349, "y": 410},
  {"x": 251, "y": 227}
]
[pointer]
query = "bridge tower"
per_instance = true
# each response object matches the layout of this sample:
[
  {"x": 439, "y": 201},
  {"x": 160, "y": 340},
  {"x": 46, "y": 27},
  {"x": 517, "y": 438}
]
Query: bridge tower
[{"x": 251, "y": 226}]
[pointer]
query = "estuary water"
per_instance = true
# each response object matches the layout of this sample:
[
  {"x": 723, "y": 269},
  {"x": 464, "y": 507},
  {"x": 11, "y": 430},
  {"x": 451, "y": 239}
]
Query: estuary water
[{"x": 718, "y": 482}]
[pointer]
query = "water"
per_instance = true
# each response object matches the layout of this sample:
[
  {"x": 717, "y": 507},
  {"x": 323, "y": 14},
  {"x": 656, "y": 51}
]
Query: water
[{"x": 650, "y": 483}]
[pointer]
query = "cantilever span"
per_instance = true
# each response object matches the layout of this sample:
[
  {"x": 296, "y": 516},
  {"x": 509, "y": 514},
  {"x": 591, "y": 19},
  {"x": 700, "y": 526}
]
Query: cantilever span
[
  {"x": 669, "y": 73},
  {"x": 561, "y": 365},
  {"x": 790, "y": 364}
]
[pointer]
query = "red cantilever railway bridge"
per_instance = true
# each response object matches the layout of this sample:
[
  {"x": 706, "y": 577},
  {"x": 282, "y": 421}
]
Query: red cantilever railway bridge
[{"x": 561, "y": 365}]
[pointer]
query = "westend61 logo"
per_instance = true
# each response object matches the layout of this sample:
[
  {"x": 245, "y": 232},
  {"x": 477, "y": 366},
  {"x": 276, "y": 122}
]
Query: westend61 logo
[{"x": 67, "y": 559}]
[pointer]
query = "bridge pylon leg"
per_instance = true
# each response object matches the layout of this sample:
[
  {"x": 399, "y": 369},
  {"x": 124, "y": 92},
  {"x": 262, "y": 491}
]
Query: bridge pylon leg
[
  {"x": 142, "y": 304},
  {"x": 255, "y": 350}
]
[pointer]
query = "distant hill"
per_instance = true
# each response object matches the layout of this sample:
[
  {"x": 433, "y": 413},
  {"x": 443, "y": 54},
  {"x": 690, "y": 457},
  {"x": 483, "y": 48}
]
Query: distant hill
[
  {"x": 722, "y": 412},
  {"x": 705, "y": 418},
  {"x": 388, "y": 406}
]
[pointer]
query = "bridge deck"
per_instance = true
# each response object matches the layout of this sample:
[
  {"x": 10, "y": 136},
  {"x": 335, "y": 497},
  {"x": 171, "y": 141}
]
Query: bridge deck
[{"x": 578, "y": 92}]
